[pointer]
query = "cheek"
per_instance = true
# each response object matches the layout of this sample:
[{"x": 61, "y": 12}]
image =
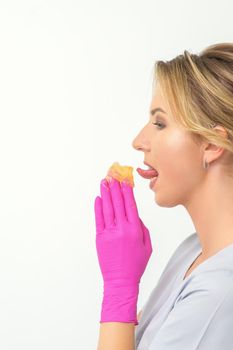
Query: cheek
[
  {"x": 179, "y": 178},
  {"x": 179, "y": 161},
  {"x": 179, "y": 166}
]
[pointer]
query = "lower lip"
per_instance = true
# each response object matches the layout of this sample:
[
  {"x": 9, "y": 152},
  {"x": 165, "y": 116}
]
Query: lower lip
[{"x": 153, "y": 182}]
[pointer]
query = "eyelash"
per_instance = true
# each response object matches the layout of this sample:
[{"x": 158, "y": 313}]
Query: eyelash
[{"x": 159, "y": 124}]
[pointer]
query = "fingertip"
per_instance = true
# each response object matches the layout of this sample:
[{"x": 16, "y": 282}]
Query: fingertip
[
  {"x": 125, "y": 184},
  {"x": 126, "y": 187},
  {"x": 96, "y": 201},
  {"x": 104, "y": 183}
]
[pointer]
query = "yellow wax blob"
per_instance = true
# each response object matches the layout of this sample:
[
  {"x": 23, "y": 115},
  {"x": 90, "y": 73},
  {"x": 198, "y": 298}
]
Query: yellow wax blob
[{"x": 121, "y": 173}]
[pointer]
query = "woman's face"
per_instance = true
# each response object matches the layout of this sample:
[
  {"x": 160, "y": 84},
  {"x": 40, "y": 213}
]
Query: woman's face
[{"x": 169, "y": 149}]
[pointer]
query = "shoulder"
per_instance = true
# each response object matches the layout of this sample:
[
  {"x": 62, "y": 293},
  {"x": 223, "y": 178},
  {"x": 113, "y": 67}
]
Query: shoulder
[
  {"x": 210, "y": 285},
  {"x": 202, "y": 317}
]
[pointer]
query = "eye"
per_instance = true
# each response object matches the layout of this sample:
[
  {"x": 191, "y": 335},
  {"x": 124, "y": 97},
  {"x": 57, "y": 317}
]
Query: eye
[{"x": 161, "y": 125}]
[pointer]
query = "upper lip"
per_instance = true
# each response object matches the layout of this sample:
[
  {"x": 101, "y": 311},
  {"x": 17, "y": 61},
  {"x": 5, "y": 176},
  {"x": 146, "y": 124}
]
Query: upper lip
[
  {"x": 151, "y": 166},
  {"x": 148, "y": 164}
]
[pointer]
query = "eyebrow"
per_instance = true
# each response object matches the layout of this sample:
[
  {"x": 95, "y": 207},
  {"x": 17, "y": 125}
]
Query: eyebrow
[{"x": 152, "y": 112}]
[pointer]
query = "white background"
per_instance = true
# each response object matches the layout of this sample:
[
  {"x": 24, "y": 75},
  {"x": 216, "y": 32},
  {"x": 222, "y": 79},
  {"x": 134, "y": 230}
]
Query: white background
[{"x": 75, "y": 89}]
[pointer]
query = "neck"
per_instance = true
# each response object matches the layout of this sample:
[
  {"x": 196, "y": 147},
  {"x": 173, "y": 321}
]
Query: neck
[{"x": 211, "y": 210}]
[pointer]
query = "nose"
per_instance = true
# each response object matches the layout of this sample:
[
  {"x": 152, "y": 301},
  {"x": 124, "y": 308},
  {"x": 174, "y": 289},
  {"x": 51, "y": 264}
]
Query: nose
[
  {"x": 135, "y": 144},
  {"x": 140, "y": 143}
]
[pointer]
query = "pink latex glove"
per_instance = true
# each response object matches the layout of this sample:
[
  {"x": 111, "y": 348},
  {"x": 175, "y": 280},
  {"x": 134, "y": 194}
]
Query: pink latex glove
[{"x": 123, "y": 247}]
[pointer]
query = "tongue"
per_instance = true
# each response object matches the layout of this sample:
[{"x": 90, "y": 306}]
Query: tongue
[{"x": 147, "y": 174}]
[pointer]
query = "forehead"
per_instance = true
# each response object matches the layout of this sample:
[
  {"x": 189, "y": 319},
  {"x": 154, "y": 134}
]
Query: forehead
[{"x": 158, "y": 100}]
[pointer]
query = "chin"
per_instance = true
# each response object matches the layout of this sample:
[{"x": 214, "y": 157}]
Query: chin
[{"x": 166, "y": 202}]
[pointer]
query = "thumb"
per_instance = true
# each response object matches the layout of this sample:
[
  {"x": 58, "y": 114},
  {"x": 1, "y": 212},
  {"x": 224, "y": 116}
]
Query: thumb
[
  {"x": 146, "y": 237},
  {"x": 99, "y": 219}
]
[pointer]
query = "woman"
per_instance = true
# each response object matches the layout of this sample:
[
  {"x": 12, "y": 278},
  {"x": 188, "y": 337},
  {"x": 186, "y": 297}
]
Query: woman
[{"x": 188, "y": 140}]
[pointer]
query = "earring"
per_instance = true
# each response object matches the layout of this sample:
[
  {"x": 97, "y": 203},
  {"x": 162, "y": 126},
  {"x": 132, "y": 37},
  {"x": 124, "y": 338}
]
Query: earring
[{"x": 205, "y": 165}]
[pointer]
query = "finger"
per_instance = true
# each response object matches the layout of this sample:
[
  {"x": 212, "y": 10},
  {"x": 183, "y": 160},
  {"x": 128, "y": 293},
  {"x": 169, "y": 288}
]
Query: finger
[
  {"x": 146, "y": 238},
  {"x": 130, "y": 203},
  {"x": 117, "y": 200},
  {"x": 99, "y": 219},
  {"x": 108, "y": 211}
]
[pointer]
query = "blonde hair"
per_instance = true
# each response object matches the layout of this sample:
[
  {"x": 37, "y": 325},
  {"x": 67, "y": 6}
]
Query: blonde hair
[{"x": 199, "y": 91}]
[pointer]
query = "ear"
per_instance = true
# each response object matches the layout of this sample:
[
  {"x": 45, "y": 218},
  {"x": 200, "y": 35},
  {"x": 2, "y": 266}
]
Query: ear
[{"x": 212, "y": 151}]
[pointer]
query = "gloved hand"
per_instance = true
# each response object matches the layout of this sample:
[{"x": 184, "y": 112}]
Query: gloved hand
[{"x": 123, "y": 247}]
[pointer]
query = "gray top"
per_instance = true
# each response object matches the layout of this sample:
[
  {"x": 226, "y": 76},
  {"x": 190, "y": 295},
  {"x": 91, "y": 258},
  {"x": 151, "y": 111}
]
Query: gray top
[{"x": 191, "y": 313}]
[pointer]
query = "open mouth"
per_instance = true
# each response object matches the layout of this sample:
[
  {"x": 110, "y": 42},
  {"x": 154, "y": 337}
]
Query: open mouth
[{"x": 147, "y": 173}]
